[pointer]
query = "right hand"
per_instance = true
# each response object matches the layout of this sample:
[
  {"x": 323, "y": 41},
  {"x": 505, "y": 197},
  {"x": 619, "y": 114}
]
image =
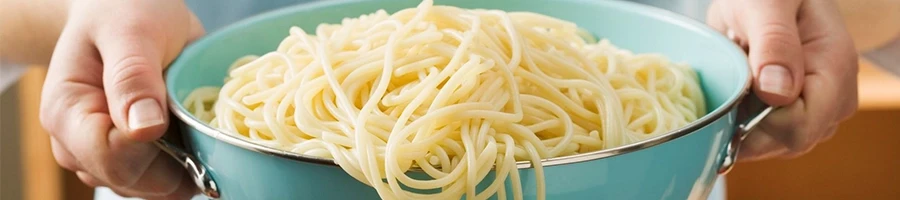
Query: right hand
[
  {"x": 803, "y": 60},
  {"x": 104, "y": 100}
]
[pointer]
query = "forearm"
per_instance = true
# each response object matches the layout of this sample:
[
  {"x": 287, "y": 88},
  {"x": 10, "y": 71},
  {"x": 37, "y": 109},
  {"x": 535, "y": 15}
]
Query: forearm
[{"x": 29, "y": 29}]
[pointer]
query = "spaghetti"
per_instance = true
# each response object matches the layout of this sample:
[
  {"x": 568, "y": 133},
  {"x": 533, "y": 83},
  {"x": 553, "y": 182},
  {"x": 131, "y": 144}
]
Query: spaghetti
[{"x": 454, "y": 92}]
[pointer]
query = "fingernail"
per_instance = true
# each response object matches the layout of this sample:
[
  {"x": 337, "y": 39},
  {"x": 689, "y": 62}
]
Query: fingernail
[
  {"x": 145, "y": 113},
  {"x": 776, "y": 79}
]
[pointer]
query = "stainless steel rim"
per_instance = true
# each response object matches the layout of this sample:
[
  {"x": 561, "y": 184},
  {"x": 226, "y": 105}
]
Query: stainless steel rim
[{"x": 678, "y": 133}]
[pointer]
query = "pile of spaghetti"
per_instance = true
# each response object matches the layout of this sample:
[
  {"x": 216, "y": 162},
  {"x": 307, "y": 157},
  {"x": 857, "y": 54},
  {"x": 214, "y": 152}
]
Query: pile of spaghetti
[{"x": 455, "y": 93}]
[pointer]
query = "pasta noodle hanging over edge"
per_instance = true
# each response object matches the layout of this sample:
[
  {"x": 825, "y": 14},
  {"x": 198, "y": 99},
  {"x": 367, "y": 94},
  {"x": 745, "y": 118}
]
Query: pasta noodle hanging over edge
[{"x": 454, "y": 92}]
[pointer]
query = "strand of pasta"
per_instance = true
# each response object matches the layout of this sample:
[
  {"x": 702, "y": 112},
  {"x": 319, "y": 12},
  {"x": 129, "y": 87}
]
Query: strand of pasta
[{"x": 456, "y": 93}]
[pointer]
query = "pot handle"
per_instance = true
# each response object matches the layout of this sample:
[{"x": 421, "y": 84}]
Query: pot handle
[
  {"x": 197, "y": 170},
  {"x": 750, "y": 112}
]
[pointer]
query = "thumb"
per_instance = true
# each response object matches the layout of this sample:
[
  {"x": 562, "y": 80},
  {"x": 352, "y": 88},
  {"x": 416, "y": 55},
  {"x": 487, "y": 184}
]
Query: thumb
[
  {"x": 776, "y": 52},
  {"x": 133, "y": 81}
]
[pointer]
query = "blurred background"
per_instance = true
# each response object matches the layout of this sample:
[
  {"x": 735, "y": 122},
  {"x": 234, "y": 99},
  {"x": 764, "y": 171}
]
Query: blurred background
[{"x": 861, "y": 162}]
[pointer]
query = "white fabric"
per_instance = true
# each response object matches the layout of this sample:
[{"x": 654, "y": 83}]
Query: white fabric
[{"x": 718, "y": 193}]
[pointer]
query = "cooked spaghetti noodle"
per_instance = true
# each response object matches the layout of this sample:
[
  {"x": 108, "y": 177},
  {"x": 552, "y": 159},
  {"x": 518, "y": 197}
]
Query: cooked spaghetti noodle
[{"x": 454, "y": 92}]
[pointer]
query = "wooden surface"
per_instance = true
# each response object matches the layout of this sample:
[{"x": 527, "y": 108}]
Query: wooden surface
[
  {"x": 41, "y": 174},
  {"x": 42, "y": 177},
  {"x": 862, "y": 161}
]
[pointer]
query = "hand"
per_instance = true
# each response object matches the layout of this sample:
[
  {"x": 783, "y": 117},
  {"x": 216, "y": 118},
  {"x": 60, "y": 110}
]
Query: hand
[
  {"x": 104, "y": 98},
  {"x": 803, "y": 60}
]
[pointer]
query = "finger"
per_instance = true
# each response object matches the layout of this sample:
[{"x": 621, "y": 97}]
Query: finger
[
  {"x": 831, "y": 62},
  {"x": 74, "y": 111},
  {"x": 182, "y": 189},
  {"x": 88, "y": 179},
  {"x": 63, "y": 157},
  {"x": 775, "y": 48},
  {"x": 72, "y": 84},
  {"x": 829, "y": 134},
  {"x": 121, "y": 193},
  {"x": 162, "y": 177},
  {"x": 197, "y": 29},
  {"x": 142, "y": 166},
  {"x": 186, "y": 189},
  {"x": 714, "y": 17},
  {"x": 132, "y": 78},
  {"x": 786, "y": 132},
  {"x": 135, "y": 46},
  {"x": 716, "y": 20},
  {"x": 829, "y": 88},
  {"x": 760, "y": 145},
  {"x": 831, "y": 66},
  {"x": 820, "y": 136},
  {"x": 73, "y": 106}
]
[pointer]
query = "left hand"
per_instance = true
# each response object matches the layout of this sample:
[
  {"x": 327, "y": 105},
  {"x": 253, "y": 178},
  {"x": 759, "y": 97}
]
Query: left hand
[
  {"x": 104, "y": 98},
  {"x": 803, "y": 60}
]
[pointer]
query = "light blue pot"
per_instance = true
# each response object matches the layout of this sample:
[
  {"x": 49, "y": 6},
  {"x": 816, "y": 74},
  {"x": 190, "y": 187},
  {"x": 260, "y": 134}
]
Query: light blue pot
[{"x": 679, "y": 165}]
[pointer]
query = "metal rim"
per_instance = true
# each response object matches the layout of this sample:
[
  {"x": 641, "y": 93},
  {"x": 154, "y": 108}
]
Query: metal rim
[{"x": 672, "y": 17}]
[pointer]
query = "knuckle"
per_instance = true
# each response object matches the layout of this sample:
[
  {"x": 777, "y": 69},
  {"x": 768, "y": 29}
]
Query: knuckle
[
  {"x": 51, "y": 112},
  {"x": 63, "y": 111},
  {"x": 129, "y": 79},
  {"x": 48, "y": 112},
  {"x": 801, "y": 146},
  {"x": 64, "y": 160},
  {"x": 113, "y": 174},
  {"x": 131, "y": 74},
  {"x": 778, "y": 33},
  {"x": 45, "y": 117},
  {"x": 805, "y": 141},
  {"x": 803, "y": 138},
  {"x": 132, "y": 69},
  {"x": 87, "y": 179},
  {"x": 797, "y": 152},
  {"x": 848, "y": 110}
]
